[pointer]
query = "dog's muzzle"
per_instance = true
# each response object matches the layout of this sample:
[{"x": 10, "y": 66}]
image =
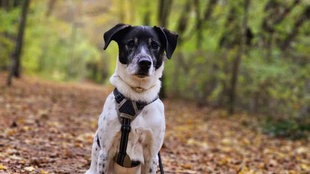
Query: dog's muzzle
[{"x": 144, "y": 64}]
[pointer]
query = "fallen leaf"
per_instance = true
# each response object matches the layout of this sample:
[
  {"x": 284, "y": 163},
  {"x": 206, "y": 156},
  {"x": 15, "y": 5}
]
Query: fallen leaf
[
  {"x": 29, "y": 169},
  {"x": 43, "y": 171},
  {"x": 2, "y": 167}
]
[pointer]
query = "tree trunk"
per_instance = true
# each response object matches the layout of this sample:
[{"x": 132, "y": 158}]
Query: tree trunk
[
  {"x": 164, "y": 7},
  {"x": 276, "y": 13},
  {"x": 237, "y": 61},
  {"x": 200, "y": 20},
  {"x": 15, "y": 69},
  {"x": 147, "y": 14},
  {"x": 4, "y": 4},
  {"x": 298, "y": 23},
  {"x": 50, "y": 7},
  {"x": 10, "y": 4}
]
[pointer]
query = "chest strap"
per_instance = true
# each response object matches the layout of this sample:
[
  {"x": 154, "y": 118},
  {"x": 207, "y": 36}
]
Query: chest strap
[{"x": 127, "y": 110}]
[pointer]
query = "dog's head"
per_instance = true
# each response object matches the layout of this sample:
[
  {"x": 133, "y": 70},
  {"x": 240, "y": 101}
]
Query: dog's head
[{"x": 142, "y": 48}]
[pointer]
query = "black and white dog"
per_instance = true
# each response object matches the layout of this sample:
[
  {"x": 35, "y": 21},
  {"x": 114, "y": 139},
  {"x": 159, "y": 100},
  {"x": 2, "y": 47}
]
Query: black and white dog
[{"x": 140, "y": 64}]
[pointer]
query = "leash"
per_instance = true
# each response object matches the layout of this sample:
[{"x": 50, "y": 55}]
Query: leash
[
  {"x": 161, "y": 168},
  {"x": 128, "y": 110}
]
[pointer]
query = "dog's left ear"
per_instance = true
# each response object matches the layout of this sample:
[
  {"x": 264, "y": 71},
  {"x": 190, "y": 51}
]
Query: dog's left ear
[
  {"x": 169, "y": 38},
  {"x": 114, "y": 33}
]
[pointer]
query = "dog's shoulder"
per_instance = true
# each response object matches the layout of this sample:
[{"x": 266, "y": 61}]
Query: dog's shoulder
[{"x": 108, "y": 111}]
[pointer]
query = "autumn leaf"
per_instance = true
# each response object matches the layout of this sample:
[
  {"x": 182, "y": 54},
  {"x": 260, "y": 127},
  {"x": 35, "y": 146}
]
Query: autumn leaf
[
  {"x": 2, "y": 167},
  {"x": 43, "y": 172},
  {"x": 29, "y": 169}
]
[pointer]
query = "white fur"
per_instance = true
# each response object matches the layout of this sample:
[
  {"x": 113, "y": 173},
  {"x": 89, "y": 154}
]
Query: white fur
[
  {"x": 147, "y": 130},
  {"x": 126, "y": 83}
]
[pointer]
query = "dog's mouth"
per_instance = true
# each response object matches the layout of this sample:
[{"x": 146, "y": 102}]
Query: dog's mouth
[{"x": 141, "y": 75}]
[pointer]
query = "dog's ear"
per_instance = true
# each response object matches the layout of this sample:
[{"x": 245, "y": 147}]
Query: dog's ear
[
  {"x": 169, "y": 38},
  {"x": 114, "y": 33}
]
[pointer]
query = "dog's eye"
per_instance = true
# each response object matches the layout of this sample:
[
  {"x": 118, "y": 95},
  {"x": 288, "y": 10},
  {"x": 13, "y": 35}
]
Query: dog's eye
[
  {"x": 154, "y": 45},
  {"x": 130, "y": 44}
]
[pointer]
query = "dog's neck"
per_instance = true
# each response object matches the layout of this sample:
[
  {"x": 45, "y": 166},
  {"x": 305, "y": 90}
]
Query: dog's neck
[
  {"x": 137, "y": 89},
  {"x": 136, "y": 93}
]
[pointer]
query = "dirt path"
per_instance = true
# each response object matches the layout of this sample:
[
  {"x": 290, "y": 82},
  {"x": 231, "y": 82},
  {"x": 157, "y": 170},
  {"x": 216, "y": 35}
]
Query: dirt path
[{"x": 47, "y": 127}]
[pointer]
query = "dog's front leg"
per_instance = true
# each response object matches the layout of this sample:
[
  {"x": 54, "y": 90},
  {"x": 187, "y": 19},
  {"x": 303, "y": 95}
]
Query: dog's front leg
[
  {"x": 99, "y": 158},
  {"x": 102, "y": 162},
  {"x": 150, "y": 166},
  {"x": 94, "y": 156}
]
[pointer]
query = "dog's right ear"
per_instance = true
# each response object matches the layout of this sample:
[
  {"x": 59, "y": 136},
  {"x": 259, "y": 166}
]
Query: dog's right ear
[{"x": 114, "y": 33}]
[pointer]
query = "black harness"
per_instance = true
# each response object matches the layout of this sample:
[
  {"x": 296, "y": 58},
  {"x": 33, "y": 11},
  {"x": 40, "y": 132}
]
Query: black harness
[{"x": 128, "y": 110}]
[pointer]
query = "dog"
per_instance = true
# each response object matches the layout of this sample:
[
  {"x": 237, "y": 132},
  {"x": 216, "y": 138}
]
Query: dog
[{"x": 139, "y": 68}]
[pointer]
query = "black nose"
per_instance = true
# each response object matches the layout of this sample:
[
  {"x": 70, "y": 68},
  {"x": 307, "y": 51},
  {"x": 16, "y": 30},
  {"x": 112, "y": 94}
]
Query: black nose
[{"x": 144, "y": 63}]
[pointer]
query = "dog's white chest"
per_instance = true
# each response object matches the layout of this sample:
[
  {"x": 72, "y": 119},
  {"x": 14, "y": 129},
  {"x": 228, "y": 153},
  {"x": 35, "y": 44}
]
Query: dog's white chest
[{"x": 147, "y": 129}]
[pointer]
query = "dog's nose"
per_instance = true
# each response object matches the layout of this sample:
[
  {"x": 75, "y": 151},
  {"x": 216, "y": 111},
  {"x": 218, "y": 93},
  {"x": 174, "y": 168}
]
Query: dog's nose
[{"x": 145, "y": 63}]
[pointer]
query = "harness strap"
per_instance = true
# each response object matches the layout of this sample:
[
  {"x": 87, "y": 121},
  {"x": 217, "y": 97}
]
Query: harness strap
[
  {"x": 125, "y": 129},
  {"x": 128, "y": 110},
  {"x": 161, "y": 168}
]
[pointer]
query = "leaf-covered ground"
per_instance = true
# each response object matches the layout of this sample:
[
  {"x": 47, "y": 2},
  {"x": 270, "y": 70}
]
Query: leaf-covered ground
[{"x": 47, "y": 127}]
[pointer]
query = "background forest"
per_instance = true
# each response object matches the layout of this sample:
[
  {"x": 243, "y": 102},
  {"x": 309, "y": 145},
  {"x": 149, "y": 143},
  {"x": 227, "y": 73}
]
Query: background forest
[{"x": 240, "y": 55}]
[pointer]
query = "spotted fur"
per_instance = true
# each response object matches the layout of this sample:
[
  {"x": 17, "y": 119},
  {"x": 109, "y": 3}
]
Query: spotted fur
[{"x": 139, "y": 67}]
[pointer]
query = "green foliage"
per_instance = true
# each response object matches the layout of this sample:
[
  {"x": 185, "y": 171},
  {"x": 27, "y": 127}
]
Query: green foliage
[
  {"x": 288, "y": 128},
  {"x": 276, "y": 87},
  {"x": 61, "y": 52},
  {"x": 8, "y": 30},
  {"x": 9, "y": 20},
  {"x": 271, "y": 81}
]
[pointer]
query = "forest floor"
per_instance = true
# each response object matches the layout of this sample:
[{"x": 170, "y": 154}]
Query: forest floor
[{"x": 48, "y": 127}]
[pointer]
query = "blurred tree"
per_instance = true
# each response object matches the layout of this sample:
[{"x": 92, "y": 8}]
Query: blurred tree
[
  {"x": 164, "y": 9},
  {"x": 10, "y": 4},
  {"x": 286, "y": 42},
  {"x": 201, "y": 20},
  {"x": 237, "y": 60},
  {"x": 50, "y": 7},
  {"x": 15, "y": 69},
  {"x": 276, "y": 12},
  {"x": 9, "y": 13}
]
